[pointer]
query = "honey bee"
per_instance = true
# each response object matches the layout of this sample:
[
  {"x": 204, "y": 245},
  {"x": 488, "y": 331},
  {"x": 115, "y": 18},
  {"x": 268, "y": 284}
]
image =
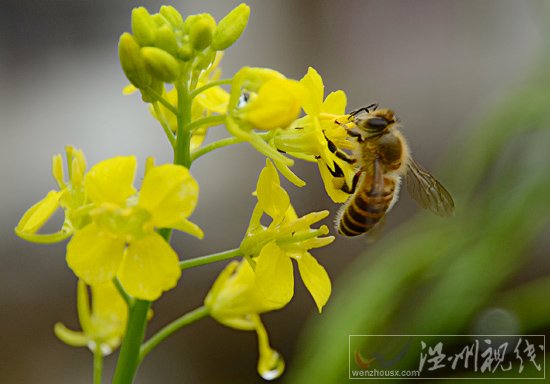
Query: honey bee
[{"x": 383, "y": 158}]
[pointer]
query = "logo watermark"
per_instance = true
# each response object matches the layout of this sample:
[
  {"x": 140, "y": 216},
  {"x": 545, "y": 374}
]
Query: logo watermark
[{"x": 447, "y": 356}]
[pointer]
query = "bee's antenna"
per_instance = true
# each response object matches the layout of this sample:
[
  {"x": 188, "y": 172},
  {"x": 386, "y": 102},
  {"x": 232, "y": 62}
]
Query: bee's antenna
[{"x": 367, "y": 109}]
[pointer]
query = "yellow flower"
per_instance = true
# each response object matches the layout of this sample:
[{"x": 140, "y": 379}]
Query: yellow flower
[
  {"x": 262, "y": 98},
  {"x": 121, "y": 239},
  {"x": 104, "y": 326},
  {"x": 287, "y": 237},
  {"x": 276, "y": 105},
  {"x": 316, "y": 137},
  {"x": 235, "y": 301},
  {"x": 70, "y": 197}
]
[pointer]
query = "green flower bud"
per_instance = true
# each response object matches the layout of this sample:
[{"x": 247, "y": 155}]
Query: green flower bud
[
  {"x": 144, "y": 26},
  {"x": 157, "y": 86},
  {"x": 172, "y": 15},
  {"x": 185, "y": 52},
  {"x": 166, "y": 40},
  {"x": 160, "y": 20},
  {"x": 201, "y": 31},
  {"x": 231, "y": 27},
  {"x": 161, "y": 64},
  {"x": 132, "y": 61}
]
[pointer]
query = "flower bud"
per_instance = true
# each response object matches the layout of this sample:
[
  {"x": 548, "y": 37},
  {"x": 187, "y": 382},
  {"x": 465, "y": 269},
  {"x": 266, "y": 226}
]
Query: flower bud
[
  {"x": 185, "y": 52},
  {"x": 143, "y": 26},
  {"x": 132, "y": 62},
  {"x": 201, "y": 30},
  {"x": 172, "y": 15},
  {"x": 166, "y": 40},
  {"x": 231, "y": 27},
  {"x": 161, "y": 64},
  {"x": 154, "y": 91}
]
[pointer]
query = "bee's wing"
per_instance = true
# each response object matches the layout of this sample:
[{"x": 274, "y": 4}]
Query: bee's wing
[{"x": 427, "y": 191}]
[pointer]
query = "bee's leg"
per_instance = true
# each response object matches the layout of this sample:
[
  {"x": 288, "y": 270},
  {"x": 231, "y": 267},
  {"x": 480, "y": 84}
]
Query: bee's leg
[
  {"x": 344, "y": 156},
  {"x": 354, "y": 183},
  {"x": 351, "y": 133},
  {"x": 355, "y": 135},
  {"x": 337, "y": 172},
  {"x": 339, "y": 153}
]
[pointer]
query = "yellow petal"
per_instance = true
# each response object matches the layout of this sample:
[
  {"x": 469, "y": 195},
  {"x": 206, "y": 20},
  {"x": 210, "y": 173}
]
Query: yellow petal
[
  {"x": 272, "y": 197},
  {"x": 169, "y": 193},
  {"x": 335, "y": 103},
  {"x": 214, "y": 99},
  {"x": 315, "y": 278},
  {"x": 212, "y": 299},
  {"x": 94, "y": 257},
  {"x": 166, "y": 115},
  {"x": 314, "y": 84},
  {"x": 274, "y": 274},
  {"x": 276, "y": 105},
  {"x": 250, "y": 79},
  {"x": 189, "y": 227},
  {"x": 129, "y": 89},
  {"x": 234, "y": 296},
  {"x": 107, "y": 302},
  {"x": 149, "y": 267},
  {"x": 198, "y": 137},
  {"x": 37, "y": 215},
  {"x": 83, "y": 307},
  {"x": 111, "y": 180},
  {"x": 70, "y": 337},
  {"x": 109, "y": 316}
]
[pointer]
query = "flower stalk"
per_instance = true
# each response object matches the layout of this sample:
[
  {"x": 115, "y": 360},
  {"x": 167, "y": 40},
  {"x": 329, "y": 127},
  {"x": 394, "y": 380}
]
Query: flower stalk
[
  {"x": 169, "y": 329},
  {"x": 204, "y": 260},
  {"x": 120, "y": 235},
  {"x": 128, "y": 360}
]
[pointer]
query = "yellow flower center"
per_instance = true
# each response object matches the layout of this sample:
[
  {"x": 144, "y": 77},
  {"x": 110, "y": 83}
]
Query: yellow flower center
[{"x": 128, "y": 223}]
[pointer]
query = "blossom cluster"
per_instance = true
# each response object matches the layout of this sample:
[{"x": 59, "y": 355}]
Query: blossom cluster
[{"x": 118, "y": 244}]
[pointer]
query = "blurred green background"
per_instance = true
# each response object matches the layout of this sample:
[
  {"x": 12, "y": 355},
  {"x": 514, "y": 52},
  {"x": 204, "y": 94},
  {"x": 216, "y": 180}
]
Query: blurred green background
[{"x": 470, "y": 81}]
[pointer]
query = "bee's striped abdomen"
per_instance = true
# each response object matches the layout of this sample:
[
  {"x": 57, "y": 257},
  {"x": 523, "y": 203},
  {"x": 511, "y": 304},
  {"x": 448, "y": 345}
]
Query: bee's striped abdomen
[{"x": 366, "y": 208}]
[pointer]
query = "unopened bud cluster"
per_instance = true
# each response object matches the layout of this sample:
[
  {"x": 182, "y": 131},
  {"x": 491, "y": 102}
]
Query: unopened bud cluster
[{"x": 163, "y": 47}]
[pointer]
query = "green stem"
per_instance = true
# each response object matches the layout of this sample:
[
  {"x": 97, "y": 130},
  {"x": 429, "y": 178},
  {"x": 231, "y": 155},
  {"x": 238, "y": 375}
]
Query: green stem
[
  {"x": 162, "y": 100},
  {"x": 209, "y": 121},
  {"x": 194, "y": 94},
  {"x": 164, "y": 124},
  {"x": 182, "y": 155},
  {"x": 198, "y": 261},
  {"x": 127, "y": 298},
  {"x": 175, "y": 325},
  {"x": 128, "y": 359},
  {"x": 98, "y": 364},
  {"x": 219, "y": 144},
  {"x": 215, "y": 145}
]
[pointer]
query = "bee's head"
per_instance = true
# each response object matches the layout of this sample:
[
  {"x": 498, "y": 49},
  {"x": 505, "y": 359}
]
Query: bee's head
[{"x": 375, "y": 121}]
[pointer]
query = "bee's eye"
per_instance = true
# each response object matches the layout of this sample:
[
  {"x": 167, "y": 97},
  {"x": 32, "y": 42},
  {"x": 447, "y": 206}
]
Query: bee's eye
[{"x": 377, "y": 123}]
